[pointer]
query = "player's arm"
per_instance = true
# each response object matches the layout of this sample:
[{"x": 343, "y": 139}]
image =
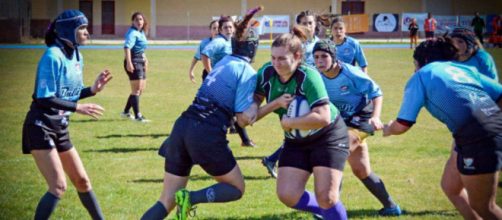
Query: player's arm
[
  {"x": 190, "y": 71},
  {"x": 318, "y": 117},
  {"x": 280, "y": 102},
  {"x": 396, "y": 127},
  {"x": 129, "y": 65},
  {"x": 206, "y": 62},
  {"x": 377, "y": 110}
]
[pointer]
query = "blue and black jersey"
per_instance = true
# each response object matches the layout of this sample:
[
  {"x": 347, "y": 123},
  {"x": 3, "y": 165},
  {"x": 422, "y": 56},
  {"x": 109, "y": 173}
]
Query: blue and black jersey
[
  {"x": 484, "y": 63},
  {"x": 218, "y": 48},
  {"x": 351, "y": 90},
  {"x": 136, "y": 41},
  {"x": 350, "y": 52},
  {"x": 455, "y": 94}
]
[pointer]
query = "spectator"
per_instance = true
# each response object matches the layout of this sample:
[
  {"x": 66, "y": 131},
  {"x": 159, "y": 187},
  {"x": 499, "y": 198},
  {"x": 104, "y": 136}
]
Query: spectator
[{"x": 478, "y": 24}]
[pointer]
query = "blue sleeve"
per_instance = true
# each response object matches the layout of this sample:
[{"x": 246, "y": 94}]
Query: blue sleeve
[
  {"x": 245, "y": 90},
  {"x": 211, "y": 48},
  {"x": 360, "y": 58},
  {"x": 47, "y": 73},
  {"x": 413, "y": 99},
  {"x": 130, "y": 40},
  {"x": 487, "y": 66},
  {"x": 366, "y": 85},
  {"x": 197, "y": 53},
  {"x": 491, "y": 87}
]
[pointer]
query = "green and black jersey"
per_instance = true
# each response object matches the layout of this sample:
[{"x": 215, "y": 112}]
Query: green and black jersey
[{"x": 305, "y": 81}]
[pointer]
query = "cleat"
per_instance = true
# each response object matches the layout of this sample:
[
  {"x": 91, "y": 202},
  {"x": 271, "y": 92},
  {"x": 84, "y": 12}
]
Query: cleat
[
  {"x": 317, "y": 217},
  {"x": 270, "y": 165},
  {"x": 391, "y": 211},
  {"x": 126, "y": 115},
  {"x": 141, "y": 119},
  {"x": 183, "y": 206},
  {"x": 248, "y": 144}
]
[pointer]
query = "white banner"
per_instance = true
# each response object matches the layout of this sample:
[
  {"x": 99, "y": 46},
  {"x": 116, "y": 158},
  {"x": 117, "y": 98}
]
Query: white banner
[
  {"x": 385, "y": 22},
  {"x": 273, "y": 24},
  {"x": 406, "y": 20}
]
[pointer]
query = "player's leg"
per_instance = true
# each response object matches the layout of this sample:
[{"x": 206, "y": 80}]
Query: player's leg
[
  {"x": 327, "y": 184},
  {"x": 50, "y": 166},
  {"x": 74, "y": 168},
  {"x": 482, "y": 190}
]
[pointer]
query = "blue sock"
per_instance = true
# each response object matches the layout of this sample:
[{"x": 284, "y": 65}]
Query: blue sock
[
  {"x": 90, "y": 202},
  {"x": 336, "y": 212},
  {"x": 157, "y": 211},
  {"x": 46, "y": 206},
  {"x": 220, "y": 192},
  {"x": 308, "y": 203},
  {"x": 275, "y": 156}
]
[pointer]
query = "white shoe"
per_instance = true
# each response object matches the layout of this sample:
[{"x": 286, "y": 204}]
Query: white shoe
[{"x": 126, "y": 115}]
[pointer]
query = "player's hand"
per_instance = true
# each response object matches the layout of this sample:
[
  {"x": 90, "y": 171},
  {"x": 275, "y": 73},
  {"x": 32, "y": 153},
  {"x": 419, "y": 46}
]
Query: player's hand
[
  {"x": 130, "y": 67},
  {"x": 284, "y": 100},
  {"x": 386, "y": 129},
  {"x": 285, "y": 123},
  {"x": 90, "y": 109},
  {"x": 191, "y": 76},
  {"x": 376, "y": 123},
  {"x": 100, "y": 82}
]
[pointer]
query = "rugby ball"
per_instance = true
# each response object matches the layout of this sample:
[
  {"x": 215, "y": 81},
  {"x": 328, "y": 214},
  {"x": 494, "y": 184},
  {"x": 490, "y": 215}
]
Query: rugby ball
[{"x": 297, "y": 108}]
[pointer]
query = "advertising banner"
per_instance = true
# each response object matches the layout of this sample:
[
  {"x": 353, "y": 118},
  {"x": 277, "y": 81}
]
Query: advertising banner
[{"x": 385, "y": 22}]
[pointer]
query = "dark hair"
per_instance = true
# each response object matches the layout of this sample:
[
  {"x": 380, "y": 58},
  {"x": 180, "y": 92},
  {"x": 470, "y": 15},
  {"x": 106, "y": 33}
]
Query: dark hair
[
  {"x": 293, "y": 41},
  {"x": 224, "y": 19},
  {"x": 469, "y": 37},
  {"x": 212, "y": 22},
  {"x": 336, "y": 20},
  {"x": 50, "y": 34},
  {"x": 320, "y": 20},
  {"x": 439, "y": 49},
  {"x": 145, "y": 22}
]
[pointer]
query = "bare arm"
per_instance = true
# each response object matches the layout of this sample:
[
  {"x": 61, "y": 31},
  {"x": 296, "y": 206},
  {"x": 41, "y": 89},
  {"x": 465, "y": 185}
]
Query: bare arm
[
  {"x": 394, "y": 128},
  {"x": 129, "y": 66},
  {"x": 206, "y": 62},
  {"x": 190, "y": 71},
  {"x": 247, "y": 117},
  {"x": 281, "y": 102},
  {"x": 377, "y": 109},
  {"x": 319, "y": 117}
]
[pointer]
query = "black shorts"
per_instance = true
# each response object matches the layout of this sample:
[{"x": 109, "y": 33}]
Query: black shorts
[
  {"x": 139, "y": 69},
  {"x": 482, "y": 157},
  {"x": 204, "y": 74},
  {"x": 193, "y": 141},
  {"x": 42, "y": 132},
  {"x": 429, "y": 34},
  {"x": 330, "y": 149}
]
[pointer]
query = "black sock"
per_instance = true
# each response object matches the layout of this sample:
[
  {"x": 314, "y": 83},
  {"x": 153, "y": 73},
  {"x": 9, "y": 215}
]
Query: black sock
[
  {"x": 157, "y": 211},
  {"x": 128, "y": 104},
  {"x": 220, "y": 192},
  {"x": 135, "y": 105},
  {"x": 46, "y": 206},
  {"x": 90, "y": 202},
  {"x": 275, "y": 156},
  {"x": 377, "y": 188},
  {"x": 242, "y": 133}
]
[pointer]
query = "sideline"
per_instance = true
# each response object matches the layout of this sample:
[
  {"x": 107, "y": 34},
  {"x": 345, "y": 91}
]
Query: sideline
[{"x": 177, "y": 47}]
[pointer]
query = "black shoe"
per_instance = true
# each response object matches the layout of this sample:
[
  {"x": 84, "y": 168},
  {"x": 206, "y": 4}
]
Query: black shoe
[
  {"x": 270, "y": 165},
  {"x": 141, "y": 119}
]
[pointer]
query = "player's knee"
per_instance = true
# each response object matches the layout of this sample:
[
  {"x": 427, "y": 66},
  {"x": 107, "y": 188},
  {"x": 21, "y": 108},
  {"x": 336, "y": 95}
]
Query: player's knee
[
  {"x": 360, "y": 172},
  {"x": 58, "y": 189},
  {"x": 326, "y": 199},
  {"x": 83, "y": 184},
  {"x": 286, "y": 198},
  {"x": 449, "y": 188}
]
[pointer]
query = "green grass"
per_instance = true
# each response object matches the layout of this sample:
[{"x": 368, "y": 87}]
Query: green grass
[{"x": 126, "y": 172}]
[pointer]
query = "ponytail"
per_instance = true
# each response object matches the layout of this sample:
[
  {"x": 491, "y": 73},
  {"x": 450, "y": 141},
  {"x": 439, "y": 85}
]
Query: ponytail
[
  {"x": 292, "y": 41},
  {"x": 50, "y": 34}
]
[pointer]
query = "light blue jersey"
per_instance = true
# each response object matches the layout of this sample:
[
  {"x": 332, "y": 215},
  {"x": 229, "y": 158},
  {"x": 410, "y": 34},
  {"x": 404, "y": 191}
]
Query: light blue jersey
[
  {"x": 309, "y": 51},
  {"x": 58, "y": 76},
  {"x": 231, "y": 84},
  {"x": 351, "y": 90},
  {"x": 484, "y": 63},
  {"x": 350, "y": 52},
  {"x": 218, "y": 48},
  {"x": 136, "y": 41},
  {"x": 453, "y": 93},
  {"x": 203, "y": 43}
]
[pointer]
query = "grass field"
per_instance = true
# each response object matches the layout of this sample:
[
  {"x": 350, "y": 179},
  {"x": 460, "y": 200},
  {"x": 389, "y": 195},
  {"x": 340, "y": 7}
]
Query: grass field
[{"x": 126, "y": 172}]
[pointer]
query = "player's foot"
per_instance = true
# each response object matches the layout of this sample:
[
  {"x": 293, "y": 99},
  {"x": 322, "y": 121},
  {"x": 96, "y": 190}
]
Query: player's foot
[
  {"x": 391, "y": 211},
  {"x": 270, "y": 165},
  {"x": 317, "y": 217},
  {"x": 250, "y": 143},
  {"x": 126, "y": 115},
  {"x": 183, "y": 205},
  {"x": 232, "y": 130},
  {"x": 141, "y": 119}
]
